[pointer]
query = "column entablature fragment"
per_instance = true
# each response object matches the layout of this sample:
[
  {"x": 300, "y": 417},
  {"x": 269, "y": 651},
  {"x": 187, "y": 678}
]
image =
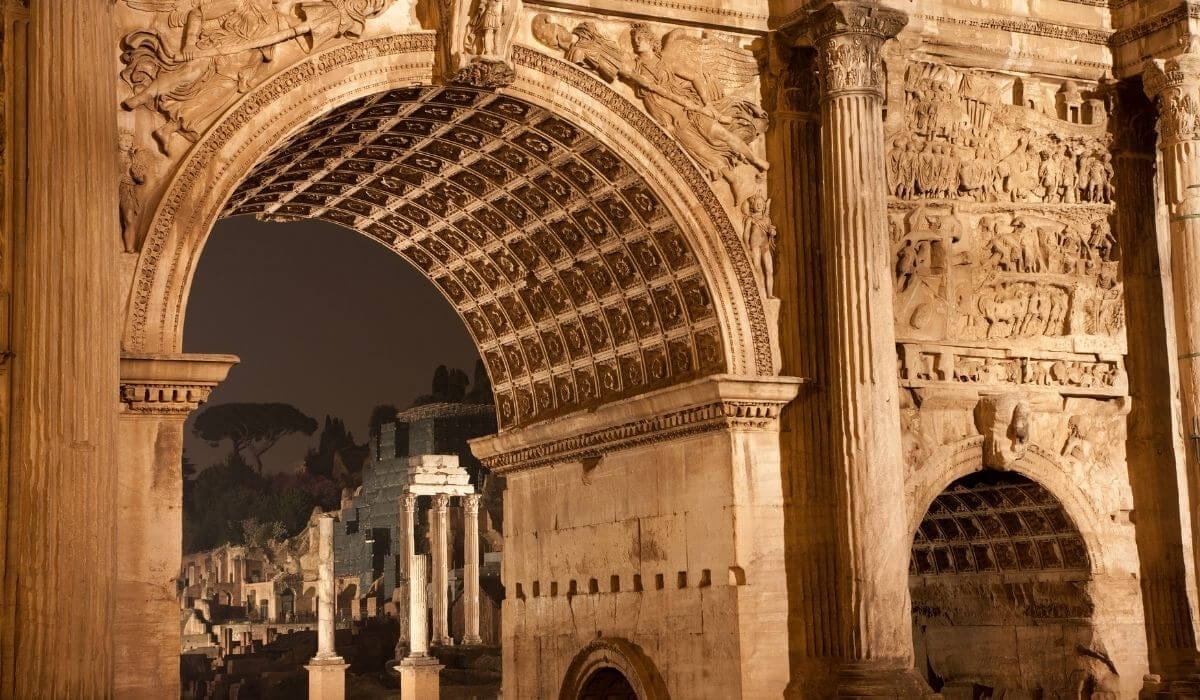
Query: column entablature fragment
[{"x": 166, "y": 385}]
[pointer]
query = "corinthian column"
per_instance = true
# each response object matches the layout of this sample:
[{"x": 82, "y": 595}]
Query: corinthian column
[
  {"x": 441, "y": 569},
  {"x": 874, "y": 637},
  {"x": 471, "y": 569},
  {"x": 1169, "y": 580}
]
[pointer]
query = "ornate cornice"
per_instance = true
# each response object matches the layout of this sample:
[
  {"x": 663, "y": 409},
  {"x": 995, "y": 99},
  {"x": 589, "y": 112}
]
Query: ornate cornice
[
  {"x": 1180, "y": 13},
  {"x": 718, "y": 415},
  {"x": 163, "y": 399}
]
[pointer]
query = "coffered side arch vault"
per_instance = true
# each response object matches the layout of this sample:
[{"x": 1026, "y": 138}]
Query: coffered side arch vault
[{"x": 600, "y": 267}]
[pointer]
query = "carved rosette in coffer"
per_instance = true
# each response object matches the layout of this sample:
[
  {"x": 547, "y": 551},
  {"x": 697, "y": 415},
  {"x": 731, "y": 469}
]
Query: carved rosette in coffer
[
  {"x": 571, "y": 275},
  {"x": 1005, "y": 266}
]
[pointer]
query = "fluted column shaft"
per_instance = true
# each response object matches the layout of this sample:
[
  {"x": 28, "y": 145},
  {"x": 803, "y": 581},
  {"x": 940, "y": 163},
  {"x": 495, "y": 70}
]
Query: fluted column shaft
[
  {"x": 326, "y": 595},
  {"x": 61, "y": 350},
  {"x": 441, "y": 569},
  {"x": 471, "y": 569},
  {"x": 865, "y": 451},
  {"x": 418, "y": 606},
  {"x": 1169, "y": 582}
]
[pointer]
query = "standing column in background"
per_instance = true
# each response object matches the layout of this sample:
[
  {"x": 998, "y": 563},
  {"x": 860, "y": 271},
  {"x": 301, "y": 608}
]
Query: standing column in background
[
  {"x": 471, "y": 569},
  {"x": 441, "y": 569},
  {"x": 408, "y": 550},
  {"x": 875, "y": 638},
  {"x": 418, "y": 671},
  {"x": 326, "y": 670}
]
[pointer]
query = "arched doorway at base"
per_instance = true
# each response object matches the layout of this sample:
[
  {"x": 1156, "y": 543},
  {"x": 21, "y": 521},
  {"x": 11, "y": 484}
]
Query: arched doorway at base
[
  {"x": 607, "y": 684},
  {"x": 1000, "y": 579},
  {"x": 612, "y": 669}
]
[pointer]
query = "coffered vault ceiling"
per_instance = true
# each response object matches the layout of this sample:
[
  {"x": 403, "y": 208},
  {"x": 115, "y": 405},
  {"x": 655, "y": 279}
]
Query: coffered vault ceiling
[
  {"x": 571, "y": 275},
  {"x": 993, "y": 523}
]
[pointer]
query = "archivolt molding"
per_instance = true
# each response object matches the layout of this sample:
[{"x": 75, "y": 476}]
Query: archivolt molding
[{"x": 966, "y": 457}]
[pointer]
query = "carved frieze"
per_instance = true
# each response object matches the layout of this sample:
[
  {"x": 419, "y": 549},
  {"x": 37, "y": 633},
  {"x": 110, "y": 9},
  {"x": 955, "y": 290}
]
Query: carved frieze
[
  {"x": 973, "y": 136},
  {"x": 979, "y": 370},
  {"x": 981, "y": 273}
]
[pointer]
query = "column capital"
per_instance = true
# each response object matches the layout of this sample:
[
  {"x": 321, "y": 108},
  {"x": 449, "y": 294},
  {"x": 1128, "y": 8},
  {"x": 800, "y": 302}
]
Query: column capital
[
  {"x": 165, "y": 385},
  {"x": 848, "y": 37},
  {"x": 441, "y": 502},
  {"x": 1175, "y": 84},
  {"x": 408, "y": 501},
  {"x": 471, "y": 503}
]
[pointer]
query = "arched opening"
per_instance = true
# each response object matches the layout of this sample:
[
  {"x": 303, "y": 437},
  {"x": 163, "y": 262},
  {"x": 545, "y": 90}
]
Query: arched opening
[
  {"x": 607, "y": 684},
  {"x": 592, "y": 265},
  {"x": 1001, "y": 602}
]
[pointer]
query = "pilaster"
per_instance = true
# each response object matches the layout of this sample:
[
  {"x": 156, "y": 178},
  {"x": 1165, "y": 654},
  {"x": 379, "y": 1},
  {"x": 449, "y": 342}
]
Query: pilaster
[{"x": 157, "y": 394}]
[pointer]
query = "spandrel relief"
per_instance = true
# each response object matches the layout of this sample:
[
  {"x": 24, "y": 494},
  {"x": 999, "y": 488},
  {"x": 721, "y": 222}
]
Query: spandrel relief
[
  {"x": 191, "y": 59},
  {"x": 701, "y": 89}
]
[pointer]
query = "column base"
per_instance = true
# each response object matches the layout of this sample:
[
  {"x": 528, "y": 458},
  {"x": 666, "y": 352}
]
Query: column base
[
  {"x": 875, "y": 680},
  {"x": 327, "y": 678},
  {"x": 419, "y": 678},
  {"x": 472, "y": 641},
  {"x": 444, "y": 642}
]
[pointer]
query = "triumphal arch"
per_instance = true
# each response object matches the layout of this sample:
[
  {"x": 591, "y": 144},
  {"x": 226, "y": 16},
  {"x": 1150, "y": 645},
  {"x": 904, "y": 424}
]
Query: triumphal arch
[{"x": 840, "y": 349}]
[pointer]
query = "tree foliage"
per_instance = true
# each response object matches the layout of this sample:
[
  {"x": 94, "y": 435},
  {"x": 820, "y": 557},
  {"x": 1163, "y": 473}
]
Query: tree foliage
[{"x": 253, "y": 428}]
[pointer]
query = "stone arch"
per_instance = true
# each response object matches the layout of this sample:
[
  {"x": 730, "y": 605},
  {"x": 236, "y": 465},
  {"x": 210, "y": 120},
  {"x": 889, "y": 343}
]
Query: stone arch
[
  {"x": 621, "y": 655},
  {"x": 966, "y": 457},
  {"x": 1114, "y": 648},
  {"x": 281, "y": 111}
]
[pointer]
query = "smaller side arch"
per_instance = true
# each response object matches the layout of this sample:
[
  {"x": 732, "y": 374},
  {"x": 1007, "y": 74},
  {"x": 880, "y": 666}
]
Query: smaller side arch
[
  {"x": 621, "y": 655},
  {"x": 966, "y": 457}
]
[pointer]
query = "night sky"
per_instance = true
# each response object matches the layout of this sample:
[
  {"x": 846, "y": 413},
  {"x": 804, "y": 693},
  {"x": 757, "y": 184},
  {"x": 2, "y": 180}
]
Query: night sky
[{"x": 323, "y": 318}]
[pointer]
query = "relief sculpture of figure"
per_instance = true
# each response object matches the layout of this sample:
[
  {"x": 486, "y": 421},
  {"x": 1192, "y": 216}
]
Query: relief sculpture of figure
[
  {"x": 134, "y": 170},
  {"x": 484, "y": 27},
  {"x": 697, "y": 88},
  {"x": 760, "y": 235},
  {"x": 218, "y": 49}
]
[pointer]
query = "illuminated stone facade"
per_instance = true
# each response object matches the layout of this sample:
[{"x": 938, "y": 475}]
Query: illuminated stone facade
[{"x": 839, "y": 348}]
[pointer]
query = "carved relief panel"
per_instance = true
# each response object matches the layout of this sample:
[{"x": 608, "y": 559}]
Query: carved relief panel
[
  {"x": 1007, "y": 274},
  {"x": 1000, "y": 198}
]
